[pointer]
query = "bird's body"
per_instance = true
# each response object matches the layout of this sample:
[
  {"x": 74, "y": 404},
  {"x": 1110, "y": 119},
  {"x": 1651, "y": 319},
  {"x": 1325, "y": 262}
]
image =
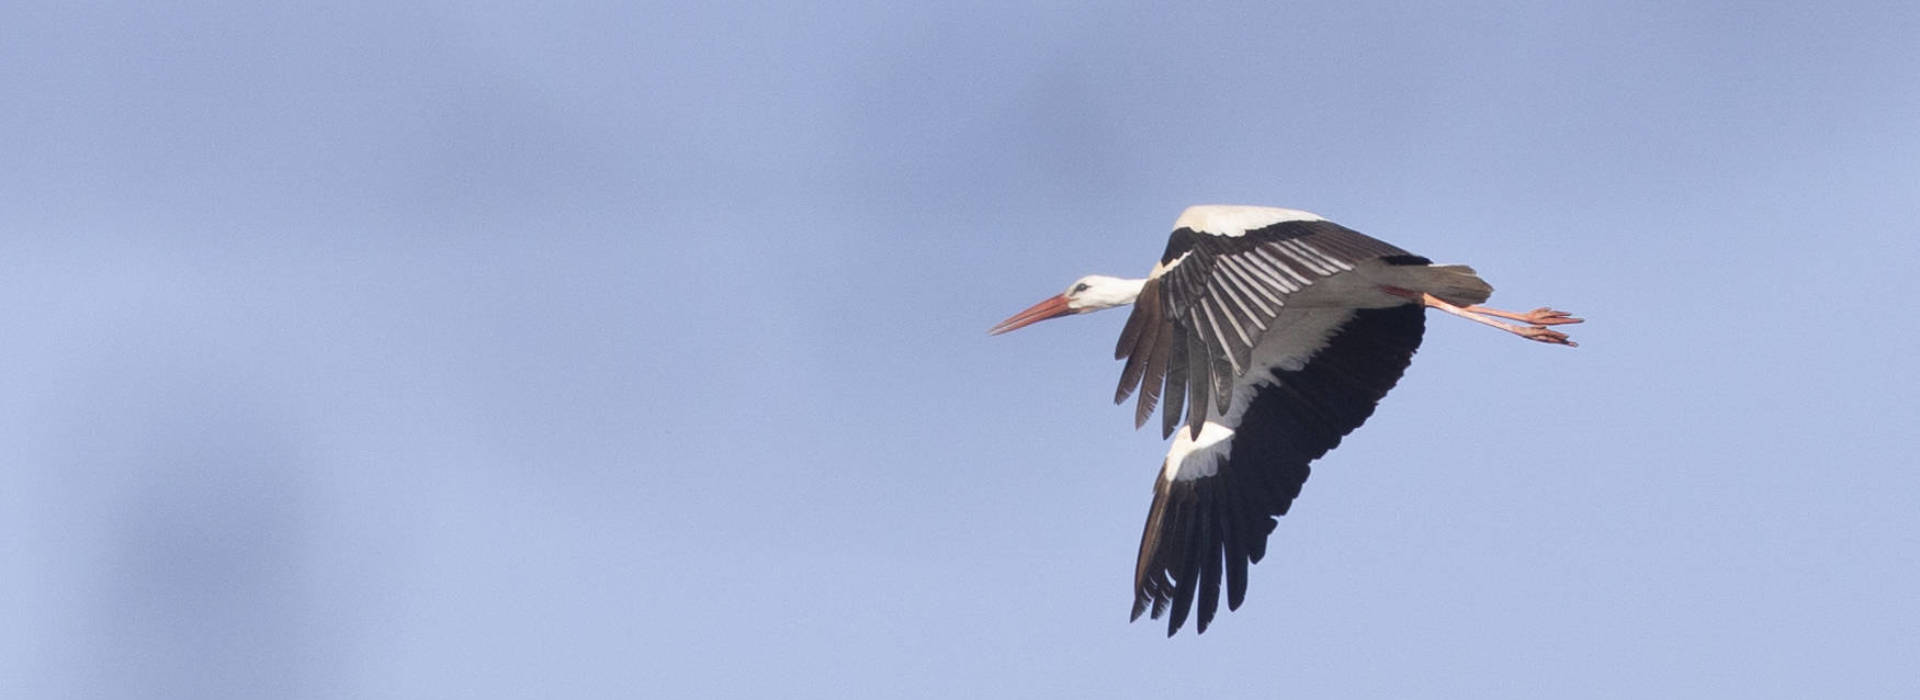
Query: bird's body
[{"x": 1269, "y": 334}]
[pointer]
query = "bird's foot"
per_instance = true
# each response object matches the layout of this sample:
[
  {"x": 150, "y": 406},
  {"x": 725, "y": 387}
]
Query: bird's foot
[
  {"x": 1545, "y": 316},
  {"x": 1547, "y": 335}
]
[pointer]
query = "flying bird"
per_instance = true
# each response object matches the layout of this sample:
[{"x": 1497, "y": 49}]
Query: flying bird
[{"x": 1268, "y": 334}]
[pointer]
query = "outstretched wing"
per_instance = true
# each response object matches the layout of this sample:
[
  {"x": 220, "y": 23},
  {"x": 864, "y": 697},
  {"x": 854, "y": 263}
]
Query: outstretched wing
[
  {"x": 1228, "y": 273},
  {"x": 1216, "y": 498}
]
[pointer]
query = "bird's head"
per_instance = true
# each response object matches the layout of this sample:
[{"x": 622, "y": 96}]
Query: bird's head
[{"x": 1089, "y": 293}]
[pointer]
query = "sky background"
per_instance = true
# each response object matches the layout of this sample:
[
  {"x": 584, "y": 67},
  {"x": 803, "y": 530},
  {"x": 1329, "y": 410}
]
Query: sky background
[{"x": 615, "y": 349}]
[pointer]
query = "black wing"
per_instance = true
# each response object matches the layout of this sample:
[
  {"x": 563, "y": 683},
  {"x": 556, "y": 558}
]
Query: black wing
[
  {"x": 1198, "y": 526},
  {"x": 1194, "y": 327}
]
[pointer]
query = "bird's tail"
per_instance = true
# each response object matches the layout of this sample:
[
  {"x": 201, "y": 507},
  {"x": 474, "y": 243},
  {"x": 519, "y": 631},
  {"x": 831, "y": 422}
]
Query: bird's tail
[{"x": 1457, "y": 285}]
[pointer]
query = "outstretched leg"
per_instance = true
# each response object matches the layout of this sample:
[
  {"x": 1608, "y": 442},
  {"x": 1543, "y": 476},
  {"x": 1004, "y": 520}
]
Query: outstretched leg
[{"x": 1541, "y": 317}]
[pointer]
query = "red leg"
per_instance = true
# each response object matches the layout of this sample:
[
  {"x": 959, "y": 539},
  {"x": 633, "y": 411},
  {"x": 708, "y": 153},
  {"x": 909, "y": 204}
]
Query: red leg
[{"x": 1541, "y": 317}]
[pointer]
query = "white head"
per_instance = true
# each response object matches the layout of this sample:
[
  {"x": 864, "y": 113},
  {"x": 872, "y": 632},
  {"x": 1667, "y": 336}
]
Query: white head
[{"x": 1089, "y": 293}]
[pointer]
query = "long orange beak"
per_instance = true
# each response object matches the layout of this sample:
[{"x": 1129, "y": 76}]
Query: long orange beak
[{"x": 1053, "y": 307}]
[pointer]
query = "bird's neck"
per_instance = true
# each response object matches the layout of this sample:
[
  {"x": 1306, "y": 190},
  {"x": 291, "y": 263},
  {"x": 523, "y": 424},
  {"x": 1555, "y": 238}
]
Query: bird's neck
[{"x": 1113, "y": 292}]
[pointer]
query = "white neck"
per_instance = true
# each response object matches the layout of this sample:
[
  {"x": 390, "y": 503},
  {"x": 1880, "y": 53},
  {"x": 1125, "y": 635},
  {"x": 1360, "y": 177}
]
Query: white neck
[{"x": 1104, "y": 292}]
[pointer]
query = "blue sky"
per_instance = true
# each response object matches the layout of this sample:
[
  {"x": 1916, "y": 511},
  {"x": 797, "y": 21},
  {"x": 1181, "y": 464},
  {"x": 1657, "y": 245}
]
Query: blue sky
[{"x": 613, "y": 349}]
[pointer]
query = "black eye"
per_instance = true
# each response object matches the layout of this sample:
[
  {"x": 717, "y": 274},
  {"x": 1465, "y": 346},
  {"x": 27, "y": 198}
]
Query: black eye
[{"x": 1078, "y": 288}]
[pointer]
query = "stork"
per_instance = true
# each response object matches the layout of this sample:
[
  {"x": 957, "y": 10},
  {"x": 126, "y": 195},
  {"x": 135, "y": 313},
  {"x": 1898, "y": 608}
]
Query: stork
[{"x": 1276, "y": 332}]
